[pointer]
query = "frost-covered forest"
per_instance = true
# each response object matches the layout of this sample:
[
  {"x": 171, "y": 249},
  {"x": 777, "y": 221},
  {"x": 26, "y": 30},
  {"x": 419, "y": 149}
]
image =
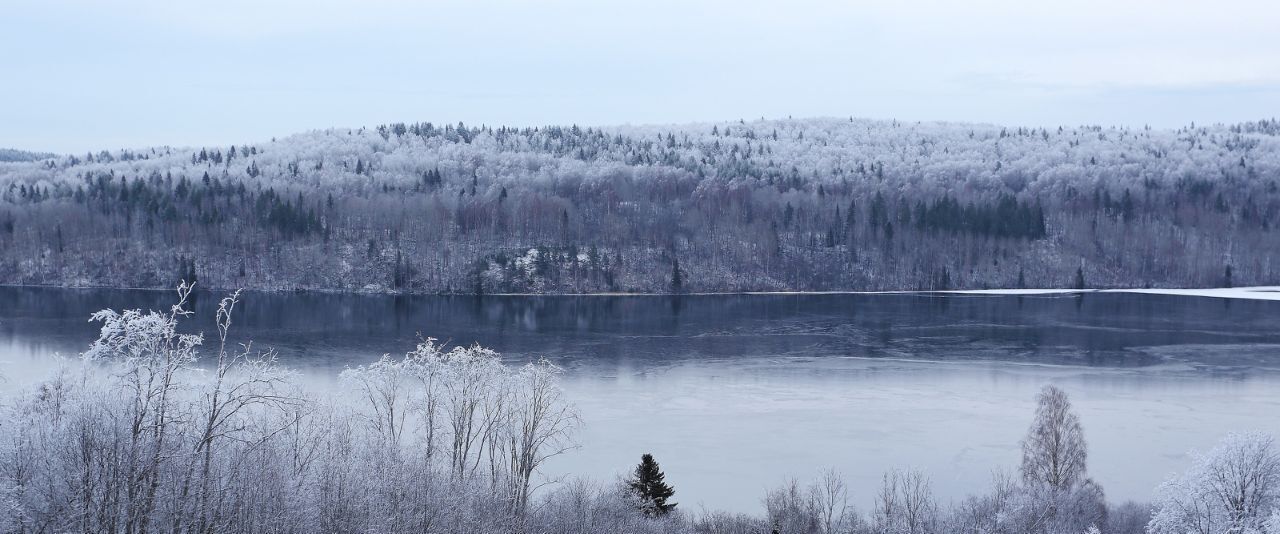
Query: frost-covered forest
[
  {"x": 9, "y": 154},
  {"x": 157, "y": 430},
  {"x": 815, "y": 204}
]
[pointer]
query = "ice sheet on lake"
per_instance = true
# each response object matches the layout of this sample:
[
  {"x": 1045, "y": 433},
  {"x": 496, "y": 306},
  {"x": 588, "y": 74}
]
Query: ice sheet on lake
[
  {"x": 727, "y": 431},
  {"x": 1253, "y": 293}
]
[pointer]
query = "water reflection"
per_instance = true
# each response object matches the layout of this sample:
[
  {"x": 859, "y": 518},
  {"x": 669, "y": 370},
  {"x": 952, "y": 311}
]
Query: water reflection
[{"x": 310, "y": 329}]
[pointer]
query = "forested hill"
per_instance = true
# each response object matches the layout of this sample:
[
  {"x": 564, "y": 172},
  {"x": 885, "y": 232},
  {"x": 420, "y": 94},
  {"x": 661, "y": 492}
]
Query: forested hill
[
  {"x": 815, "y": 204},
  {"x": 11, "y": 154}
]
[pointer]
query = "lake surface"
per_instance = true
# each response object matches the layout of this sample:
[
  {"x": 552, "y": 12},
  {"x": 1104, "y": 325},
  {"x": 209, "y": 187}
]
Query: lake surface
[{"x": 735, "y": 394}]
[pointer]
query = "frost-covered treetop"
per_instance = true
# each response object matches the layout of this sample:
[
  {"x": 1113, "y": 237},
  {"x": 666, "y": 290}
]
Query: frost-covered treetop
[{"x": 957, "y": 158}]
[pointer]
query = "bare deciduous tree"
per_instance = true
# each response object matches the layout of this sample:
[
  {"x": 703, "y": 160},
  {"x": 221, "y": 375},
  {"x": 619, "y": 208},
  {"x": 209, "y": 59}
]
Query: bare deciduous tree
[
  {"x": 830, "y": 495},
  {"x": 905, "y": 504},
  {"x": 1054, "y": 452}
]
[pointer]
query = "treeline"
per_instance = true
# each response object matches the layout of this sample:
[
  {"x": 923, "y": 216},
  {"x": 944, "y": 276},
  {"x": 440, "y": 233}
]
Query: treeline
[
  {"x": 11, "y": 154},
  {"x": 819, "y": 204},
  {"x": 148, "y": 434}
]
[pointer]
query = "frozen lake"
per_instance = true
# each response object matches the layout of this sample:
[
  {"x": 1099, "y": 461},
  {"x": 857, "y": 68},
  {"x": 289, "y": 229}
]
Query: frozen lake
[{"x": 734, "y": 394}]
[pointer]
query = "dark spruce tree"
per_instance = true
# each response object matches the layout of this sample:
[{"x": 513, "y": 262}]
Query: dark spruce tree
[
  {"x": 677, "y": 279},
  {"x": 187, "y": 270},
  {"x": 398, "y": 272},
  {"x": 1079, "y": 277},
  {"x": 944, "y": 281},
  {"x": 649, "y": 488}
]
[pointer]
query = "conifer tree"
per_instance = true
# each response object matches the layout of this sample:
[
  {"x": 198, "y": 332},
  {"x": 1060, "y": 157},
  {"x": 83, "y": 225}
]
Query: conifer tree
[
  {"x": 648, "y": 486},
  {"x": 677, "y": 278},
  {"x": 397, "y": 272}
]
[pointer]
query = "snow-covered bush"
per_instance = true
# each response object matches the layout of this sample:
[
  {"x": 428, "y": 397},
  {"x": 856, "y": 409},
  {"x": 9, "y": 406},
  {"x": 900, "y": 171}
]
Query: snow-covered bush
[
  {"x": 1233, "y": 488},
  {"x": 145, "y": 435},
  {"x": 10, "y": 507}
]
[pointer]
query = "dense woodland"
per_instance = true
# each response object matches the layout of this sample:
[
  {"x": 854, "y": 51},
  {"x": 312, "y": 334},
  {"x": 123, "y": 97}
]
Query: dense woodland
[
  {"x": 156, "y": 430},
  {"x": 9, "y": 154},
  {"x": 766, "y": 205}
]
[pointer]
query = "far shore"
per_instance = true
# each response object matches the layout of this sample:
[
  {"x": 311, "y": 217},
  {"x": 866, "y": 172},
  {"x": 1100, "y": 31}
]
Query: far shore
[{"x": 1248, "y": 293}]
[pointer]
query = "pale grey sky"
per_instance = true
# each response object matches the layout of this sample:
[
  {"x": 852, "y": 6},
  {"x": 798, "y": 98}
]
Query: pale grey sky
[{"x": 83, "y": 75}]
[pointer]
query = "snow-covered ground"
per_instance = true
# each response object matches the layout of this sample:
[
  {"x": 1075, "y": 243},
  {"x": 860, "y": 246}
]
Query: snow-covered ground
[{"x": 1254, "y": 293}]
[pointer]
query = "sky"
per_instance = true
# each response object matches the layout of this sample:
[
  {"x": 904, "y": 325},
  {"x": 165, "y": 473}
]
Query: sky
[{"x": 82, "y": 75}]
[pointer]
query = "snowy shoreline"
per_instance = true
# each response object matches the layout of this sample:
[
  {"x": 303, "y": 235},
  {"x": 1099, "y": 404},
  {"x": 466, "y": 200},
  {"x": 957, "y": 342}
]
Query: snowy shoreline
[{"x": 1246, "y": 293}]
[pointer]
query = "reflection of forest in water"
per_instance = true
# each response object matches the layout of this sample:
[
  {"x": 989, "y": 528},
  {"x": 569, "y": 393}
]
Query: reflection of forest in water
[{"x": 318, "y": 330}]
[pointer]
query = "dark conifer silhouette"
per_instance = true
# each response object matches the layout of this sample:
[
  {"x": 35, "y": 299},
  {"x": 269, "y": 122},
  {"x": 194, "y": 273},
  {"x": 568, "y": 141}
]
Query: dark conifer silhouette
[
  {"x": 677, "y": 279},
  {"x": 648, "y": 486}
]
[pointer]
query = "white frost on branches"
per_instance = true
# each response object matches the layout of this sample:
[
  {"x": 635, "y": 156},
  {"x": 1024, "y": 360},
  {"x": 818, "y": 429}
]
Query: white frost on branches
[{"x": 1232, "y": 489}]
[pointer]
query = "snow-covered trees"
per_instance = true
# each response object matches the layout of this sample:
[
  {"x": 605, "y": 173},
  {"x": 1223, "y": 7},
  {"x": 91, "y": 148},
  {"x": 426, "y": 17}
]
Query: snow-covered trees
[
  {"x": 142, "y": 435},
  {"x": 580, "y": 506},
  {"x": 149, "y": 354},
  {"x": 999, "y": 511},
  {"x": 1058, "y": 497},
  {"x": 137, "y": 437},
  {"x": 763, "y": 205},
  {"x": 10, "y": 508},
  {"x": 1233, "y": 488},
  {"x": 822, "y": 507},
  {"x": 540, "y": 425},
  {"x": 495, "y": 423},
  {"x": 905, "y": 504},
  {"x": 1051, "y": 493}
]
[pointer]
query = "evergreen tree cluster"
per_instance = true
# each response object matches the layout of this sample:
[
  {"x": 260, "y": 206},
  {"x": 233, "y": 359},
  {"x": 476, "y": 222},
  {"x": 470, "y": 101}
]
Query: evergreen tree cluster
[{"x": 1006, "y": 217}]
